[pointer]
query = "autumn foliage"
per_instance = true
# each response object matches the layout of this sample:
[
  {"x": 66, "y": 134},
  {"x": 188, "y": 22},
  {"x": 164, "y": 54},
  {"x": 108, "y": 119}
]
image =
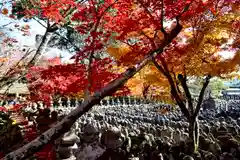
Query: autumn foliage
[
  {"x": 69, "y": 80},
  {"x": 195, "y": 52},
  {"x": 55, "y": 11},
  {"x": 130, "y": 30},
  {"x": 170, "y": 41}
]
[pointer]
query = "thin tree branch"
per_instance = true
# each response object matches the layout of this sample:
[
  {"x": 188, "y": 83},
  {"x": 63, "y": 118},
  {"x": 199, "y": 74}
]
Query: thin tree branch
[
  {"x": 201, "y": 96},
  {"x": 183, "y": 82},
  {"x": 32, "y": 62},
  {"x": 41, "y": 47},
  {"x": 11, "y": 84},
  {"x": 39, "y": 22},
  {"x": 174, "y": 92},
  {"x": 5, "y": 25},
  {"x": 160, "y": 68},
  {"x": 6, "y": 75},
  {"x": 176, "y": 81},
  {"x": 179, "y": 26},
  {"x": 76, "y": 47}
]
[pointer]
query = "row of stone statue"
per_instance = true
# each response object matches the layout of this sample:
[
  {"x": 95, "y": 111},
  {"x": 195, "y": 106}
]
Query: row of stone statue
[
  {"x": 230, "y": 97},
  {"x": 67, "y": 102}
]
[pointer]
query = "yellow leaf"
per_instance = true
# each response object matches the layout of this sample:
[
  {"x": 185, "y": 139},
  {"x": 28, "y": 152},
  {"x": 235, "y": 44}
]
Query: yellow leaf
[
  {"x": 148, "y": 32},
  {"x": 14, "y": 122},
  {"x": 4, "y": 11},
  {"x": 134, "y": 6},
  {"x": 117, "y": 53}
]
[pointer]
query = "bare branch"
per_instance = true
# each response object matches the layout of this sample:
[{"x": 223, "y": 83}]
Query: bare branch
[
  {"x": 5, "y": 25},
  {"x": 11, "y": 84},
  {"x": 76, "y": 47},
  {"x": 32, "y": 62},
  {"x": 160, "y": 68},
  {"x": 39, "y": 22},
  {"x": 201, "y": 96},
  {"x": 183, "y": 82},
  {"x": 3, "y": 80},
  {"x": 174, "y": 92}
]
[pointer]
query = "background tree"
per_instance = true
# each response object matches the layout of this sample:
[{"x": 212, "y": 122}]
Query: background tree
[
  {"x": 50, "y": 15},
  {"x": 216, "y": 86}
]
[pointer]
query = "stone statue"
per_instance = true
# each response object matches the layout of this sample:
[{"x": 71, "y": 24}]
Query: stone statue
[{"x": 90, "y": 148}]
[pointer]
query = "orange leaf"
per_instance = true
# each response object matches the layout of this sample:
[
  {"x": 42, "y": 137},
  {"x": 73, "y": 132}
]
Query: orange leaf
[
  {"x": 4, "y": 11},
  {"x": 118, "y": 52},
  {"x": 4, "y": 59}
]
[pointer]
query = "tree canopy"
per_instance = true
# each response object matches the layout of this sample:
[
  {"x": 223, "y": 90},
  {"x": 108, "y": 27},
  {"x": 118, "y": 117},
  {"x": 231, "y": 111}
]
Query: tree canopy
[
  {"x": 195, "y": 52},
  {"x": 161, "y": 43}
]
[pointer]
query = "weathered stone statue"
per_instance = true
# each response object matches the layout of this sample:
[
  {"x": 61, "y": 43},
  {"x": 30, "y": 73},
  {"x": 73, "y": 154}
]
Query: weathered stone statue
[
  {"x": 113, "y": 140},
  {"x": 90, "y": 148},
  {"x": 209, "y": 103},
  {"x": 66, "y": 144}
]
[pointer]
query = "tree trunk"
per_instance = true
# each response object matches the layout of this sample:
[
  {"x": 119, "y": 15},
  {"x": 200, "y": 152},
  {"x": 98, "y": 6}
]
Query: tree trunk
[
  {"x": 87, "y": 91},
  {"x": 193, "y": 134},
  {"x": 193, "y": 119}
]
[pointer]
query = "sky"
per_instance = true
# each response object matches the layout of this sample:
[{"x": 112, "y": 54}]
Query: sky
[{"x": 35, "y": 28}]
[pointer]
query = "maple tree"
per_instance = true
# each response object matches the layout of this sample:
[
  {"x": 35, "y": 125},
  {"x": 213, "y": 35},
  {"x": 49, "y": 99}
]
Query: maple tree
[
  {"x": 214, "y": 88},
  {"x": 50, "y": 15},
  {"x": 133, "y": 32},
  {"x": 11, "y": 53},
  {"x": 13, "y": 60},
  {"x": 69, "y": 79},
  {"x": 205, "y": 33}
]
